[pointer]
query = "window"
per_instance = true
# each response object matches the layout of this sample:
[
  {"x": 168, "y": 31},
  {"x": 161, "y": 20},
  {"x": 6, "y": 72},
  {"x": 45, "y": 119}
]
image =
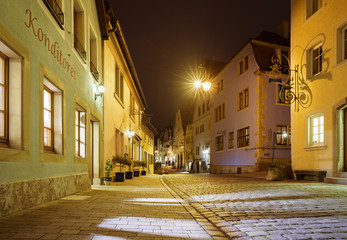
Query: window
[
  {"x": 283, "y": 135},
  {"x": 80, "y": 132},
  {"x": 342, "y": 43},
  {"x": 52, "y": 118},
  {"x": 93, "y": 55},
  {"x": 220, "y": 86},
  {"x": 197, "y": 151},
  {"x": 317, "y": 55},
  {"x": 132, "y": 107},
  {"x": 203, "y": 107},
  {"x": 202, "y": 128},
  {"x": 281, "y": 93},
  {"x": 219, "y": 143},
  {"x": 231, "y": 140},
  {"x": 243, "y": 65},
  {"x": 48, "y": 125},
  {"x": 78, "y": 24},
  {"x": 199, "y": 111},
  {"x": 3, "y": 100},
  {"x": 243, "y": 99},
  {"x": 243, "y": 137},
  {"x": 220, "y": 112},
  {"x": 316, "y": 129},
  {"x": 55, "y": 6},
  {"x": 119, "y": 85},
  {"x": 312, "y": 6},
  {"x": 196, "y": 130}
]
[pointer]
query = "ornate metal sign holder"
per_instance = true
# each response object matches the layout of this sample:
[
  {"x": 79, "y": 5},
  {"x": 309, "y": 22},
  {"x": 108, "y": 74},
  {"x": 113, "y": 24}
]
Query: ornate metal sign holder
[{"x": 295, "y": 89}]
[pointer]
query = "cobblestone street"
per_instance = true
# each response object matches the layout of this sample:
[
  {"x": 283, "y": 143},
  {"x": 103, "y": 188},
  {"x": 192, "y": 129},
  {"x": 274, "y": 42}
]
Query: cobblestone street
[{"x": 189, "y": 206}]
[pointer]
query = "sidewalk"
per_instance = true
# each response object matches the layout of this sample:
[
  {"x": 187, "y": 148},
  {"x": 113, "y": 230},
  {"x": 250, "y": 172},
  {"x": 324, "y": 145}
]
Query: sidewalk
[{"x": 137, "y": 209}]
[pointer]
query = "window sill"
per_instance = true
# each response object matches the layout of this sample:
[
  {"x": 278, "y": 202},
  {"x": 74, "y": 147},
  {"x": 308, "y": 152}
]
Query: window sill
[{"x": 316, "y": 148}]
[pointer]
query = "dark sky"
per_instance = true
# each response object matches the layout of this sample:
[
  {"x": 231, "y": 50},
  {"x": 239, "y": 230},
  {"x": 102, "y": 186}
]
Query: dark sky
[{"x": 168, "y": 38}]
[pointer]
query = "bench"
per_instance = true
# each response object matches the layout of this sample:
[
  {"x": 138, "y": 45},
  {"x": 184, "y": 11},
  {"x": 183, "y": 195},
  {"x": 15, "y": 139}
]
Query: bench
[{"x": 300, "y": 174}]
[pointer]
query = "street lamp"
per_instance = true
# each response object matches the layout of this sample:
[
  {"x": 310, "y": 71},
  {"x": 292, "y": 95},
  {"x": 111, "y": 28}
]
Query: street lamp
[{"x": 206, "y": 86}]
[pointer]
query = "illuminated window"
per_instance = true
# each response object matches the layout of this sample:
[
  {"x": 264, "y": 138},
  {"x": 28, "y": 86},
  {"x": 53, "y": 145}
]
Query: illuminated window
[
  {"x": 52, "y": 118},
  {"x": 283, "y": 135},
  {"x": 281, "y": 94},
  {"x": 219, "y": 143},
  {"x": 316, "y": 129},
  {"x": 231, "y": 140},
  {"x": 80, "y": 132},
  {"x": 3, "y": 100},
  {"x": 243, "y": 137},
  {"x": 48, "y": 108},
  {"x": 243, "y": 99},
  {"x": 312, "y": 6}
]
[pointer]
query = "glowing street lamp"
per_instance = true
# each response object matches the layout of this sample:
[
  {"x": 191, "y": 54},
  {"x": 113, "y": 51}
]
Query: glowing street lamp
[
  {"x": 197, "y": 83},
  {"x": 206, "y": 86}
]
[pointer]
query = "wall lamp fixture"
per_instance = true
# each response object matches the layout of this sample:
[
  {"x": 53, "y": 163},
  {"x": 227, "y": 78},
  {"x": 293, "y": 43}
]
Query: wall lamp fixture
[{"x": 101, "y": 90}]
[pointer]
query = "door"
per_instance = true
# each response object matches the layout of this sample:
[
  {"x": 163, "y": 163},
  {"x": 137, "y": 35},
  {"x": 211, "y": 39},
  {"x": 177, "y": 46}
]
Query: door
[{"x": 94, "y": 170}]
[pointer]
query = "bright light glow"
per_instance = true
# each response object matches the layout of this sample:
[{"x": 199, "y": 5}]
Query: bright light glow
[
  {"x": 101, "y": 88},
  {"x": 197, "y": 83},
  {"x": 206, "y": 86},
  {"x": 131, "y": 133},
  {"x": 285, "y": 135}
]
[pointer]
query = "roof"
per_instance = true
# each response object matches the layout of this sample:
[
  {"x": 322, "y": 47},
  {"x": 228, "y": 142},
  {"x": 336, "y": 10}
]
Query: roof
[{"x": 211, "y": 67}]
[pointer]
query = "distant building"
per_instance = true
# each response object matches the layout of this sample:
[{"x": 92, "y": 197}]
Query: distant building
[
  {"x": 246, "y": 110},
  {"x": 183, "y": 119},
  {"x": 319, "y": 51},
  {"x": 165, "y": 143}
]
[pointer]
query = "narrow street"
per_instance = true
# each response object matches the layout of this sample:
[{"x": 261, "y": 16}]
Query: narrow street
[{"x": 189, "y": 206}]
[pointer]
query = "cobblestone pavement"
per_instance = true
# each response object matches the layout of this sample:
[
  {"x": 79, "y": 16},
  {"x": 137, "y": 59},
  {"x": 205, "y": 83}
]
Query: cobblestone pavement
[
  {"x": 189, "y": 206},
  {"x": 246, "y": 206}
]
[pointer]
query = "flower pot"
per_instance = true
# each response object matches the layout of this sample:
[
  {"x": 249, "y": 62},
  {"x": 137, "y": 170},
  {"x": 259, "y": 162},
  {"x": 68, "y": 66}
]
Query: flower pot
[
  {"x": 128, "y": 175},
  {"x": 119, "y": 177},
  {"x": 143, "y": 172},
  {"x": 274, "y": 174},
  {"x": 107, "y": 180},
  {"x": 136, "y": 173}
]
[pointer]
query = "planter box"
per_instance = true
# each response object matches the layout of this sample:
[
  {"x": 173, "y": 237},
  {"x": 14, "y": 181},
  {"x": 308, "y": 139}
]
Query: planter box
[
  {"x": 107, "y": 180},
  {"x": 136, "y": 173},
  {"x": 128, "y": 175},
  {"x": 119, "y": 177},
  {"x": 143, "y": 173}
]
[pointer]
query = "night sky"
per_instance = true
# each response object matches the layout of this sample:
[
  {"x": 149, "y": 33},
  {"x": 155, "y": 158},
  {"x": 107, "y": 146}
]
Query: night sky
[{"x": 167, "y": 40}]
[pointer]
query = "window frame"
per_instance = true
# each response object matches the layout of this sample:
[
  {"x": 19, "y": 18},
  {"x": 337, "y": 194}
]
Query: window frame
[
  {"x": 243, "y": 99},
  {"x": 316, "y": 59},
  {"x": 54, "y": 12},
  {"x": 4, "y": 141},
  {"x": 219, "y": 143},
  {"x": 310, "y": 133},
  {"x": 80, "y": 110},
  {"x": 231, "y": 145},
  {"x": 49, "y": 148},
  {"x": 310, "y": 11},
  {"x": 285, "y": 140},
  {"x": 243, "y": 139}
]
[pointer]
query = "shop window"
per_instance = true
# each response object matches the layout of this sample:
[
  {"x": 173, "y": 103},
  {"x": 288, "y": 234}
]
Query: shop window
[{"x": 52, "y": 118}]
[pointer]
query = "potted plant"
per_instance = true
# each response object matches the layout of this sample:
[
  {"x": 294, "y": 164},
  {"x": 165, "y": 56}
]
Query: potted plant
[
  {"x": 108, "y": 168},
  {"x": 119, "y": 176},
  {"x": 143, "y": 164},
  {"x": 137, "y": 164},
  {"x": 129, "y": 173}
]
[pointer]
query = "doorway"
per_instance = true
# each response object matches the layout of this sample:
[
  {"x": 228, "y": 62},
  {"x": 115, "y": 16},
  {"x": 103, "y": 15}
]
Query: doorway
[{"x": 94, "y": 169}]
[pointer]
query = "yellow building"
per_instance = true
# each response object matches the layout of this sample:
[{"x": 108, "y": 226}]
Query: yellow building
[
  {"x": 124, "y": 100},
  {"x": 319, "y": 115}
]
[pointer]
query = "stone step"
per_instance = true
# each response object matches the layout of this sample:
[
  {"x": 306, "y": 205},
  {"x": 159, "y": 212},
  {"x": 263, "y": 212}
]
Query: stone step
[{"x": 335, "y": 180}]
